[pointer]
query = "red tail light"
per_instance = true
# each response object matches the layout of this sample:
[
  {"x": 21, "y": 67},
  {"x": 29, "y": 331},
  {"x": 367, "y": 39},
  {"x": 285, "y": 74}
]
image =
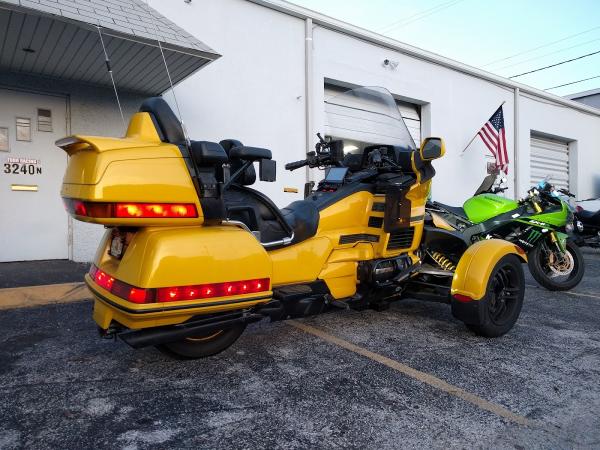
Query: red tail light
[
  {"x": 120, "y": 289},
  {"x": 130, "y": 210},
  {"x": 177, "y": 293},
  {"x": 201, "y": 291},
  {"x": 462, "y": 298}
]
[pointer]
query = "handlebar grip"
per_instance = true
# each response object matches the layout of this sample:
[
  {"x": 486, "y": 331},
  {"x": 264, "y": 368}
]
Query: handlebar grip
[{"x": 296, "y": 164}]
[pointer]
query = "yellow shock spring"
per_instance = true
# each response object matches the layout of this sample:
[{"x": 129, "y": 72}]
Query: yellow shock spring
[{"x": 443, "y": 262}]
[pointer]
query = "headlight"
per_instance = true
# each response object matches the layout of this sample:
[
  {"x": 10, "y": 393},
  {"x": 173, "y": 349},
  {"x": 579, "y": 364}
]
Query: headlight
[{"x": 569, "y": 227}]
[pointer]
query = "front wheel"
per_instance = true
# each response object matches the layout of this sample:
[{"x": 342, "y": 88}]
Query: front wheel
[
  {"x": 503, "y": 300},
  {"x": 204, "y": 345},
  {"x": 554, "y": 270}
]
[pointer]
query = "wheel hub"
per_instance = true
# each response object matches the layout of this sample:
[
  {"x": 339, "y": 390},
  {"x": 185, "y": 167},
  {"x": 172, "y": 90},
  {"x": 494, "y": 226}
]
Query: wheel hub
[{"x": 561, "y": 265}]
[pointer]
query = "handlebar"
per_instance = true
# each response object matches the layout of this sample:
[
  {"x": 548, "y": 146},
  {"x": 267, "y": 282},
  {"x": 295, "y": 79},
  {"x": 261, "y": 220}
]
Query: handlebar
[
  {"x": 567, "y": 193},
  {"x": 312, "y": 161},
  {"x": 296, "y": 164}
]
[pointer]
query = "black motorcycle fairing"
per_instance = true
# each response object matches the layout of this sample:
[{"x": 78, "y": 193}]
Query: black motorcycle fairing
[
  {"x": 589, "y": 217},
  {"x": 324, "y": 199},
  {"x": 457, "y": 210},
  {"x": 444, "y": 241}
]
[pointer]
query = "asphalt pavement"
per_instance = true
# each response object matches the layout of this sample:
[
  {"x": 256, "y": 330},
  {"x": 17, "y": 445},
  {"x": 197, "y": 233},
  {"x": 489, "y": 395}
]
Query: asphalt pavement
[{"x": 366, "y": 382}]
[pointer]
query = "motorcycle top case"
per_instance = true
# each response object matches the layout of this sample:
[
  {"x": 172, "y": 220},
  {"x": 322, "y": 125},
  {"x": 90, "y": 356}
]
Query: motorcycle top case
[
  {"x": 133, "y": 181},
  {"x": 485, "y": 206}
]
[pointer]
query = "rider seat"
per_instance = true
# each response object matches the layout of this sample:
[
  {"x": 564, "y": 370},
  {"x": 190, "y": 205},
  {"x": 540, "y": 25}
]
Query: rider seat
[
  {"x": 256, "y": 210},
  {"x": 457, "y": 210}
]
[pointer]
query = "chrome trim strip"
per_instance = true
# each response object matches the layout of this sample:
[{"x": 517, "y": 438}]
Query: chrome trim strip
[{"x": 285, "y": 241}]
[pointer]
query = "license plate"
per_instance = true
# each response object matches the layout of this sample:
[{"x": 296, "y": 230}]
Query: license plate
[{"x": 116, "y": 247}]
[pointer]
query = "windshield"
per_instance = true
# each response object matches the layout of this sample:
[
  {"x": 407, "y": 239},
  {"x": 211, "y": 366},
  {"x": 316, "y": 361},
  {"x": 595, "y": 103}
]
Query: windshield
[{"x": 366, "y": 116}]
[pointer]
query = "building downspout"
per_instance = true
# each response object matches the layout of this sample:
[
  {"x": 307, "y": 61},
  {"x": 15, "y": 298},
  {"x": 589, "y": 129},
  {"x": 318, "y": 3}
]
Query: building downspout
[
  {"x": 516, "y": 141},
  {"x": 308, "y": 86}
]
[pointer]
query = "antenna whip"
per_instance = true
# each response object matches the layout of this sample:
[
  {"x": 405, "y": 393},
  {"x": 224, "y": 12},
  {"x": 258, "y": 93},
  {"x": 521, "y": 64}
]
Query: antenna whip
[{"x": 110, "y": 72}]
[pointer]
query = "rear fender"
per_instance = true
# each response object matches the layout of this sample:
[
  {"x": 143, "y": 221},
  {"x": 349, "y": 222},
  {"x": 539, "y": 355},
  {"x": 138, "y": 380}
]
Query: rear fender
[{"x": 476, "y": 264}]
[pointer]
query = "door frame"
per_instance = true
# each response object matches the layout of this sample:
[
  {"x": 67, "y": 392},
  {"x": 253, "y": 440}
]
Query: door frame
[{"x": 67, "y": 97}]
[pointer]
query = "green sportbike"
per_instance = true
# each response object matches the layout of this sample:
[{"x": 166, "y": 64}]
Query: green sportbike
[{"x": 538, "y": 224}]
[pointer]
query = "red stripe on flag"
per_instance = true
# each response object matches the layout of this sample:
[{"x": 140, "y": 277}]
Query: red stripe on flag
[
  {"x": 504, "y": 151},
  {"x": 490, "y": 146},
  {"x": 492, "y": 131}
]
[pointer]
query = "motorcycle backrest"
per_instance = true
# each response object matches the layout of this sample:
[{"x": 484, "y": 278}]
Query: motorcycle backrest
[
  {"x": 250, "y": 153},
  {"x": 249, "y": 176},
  {"x": 165, "y": 121},
  {"x": 208, "y": 153}
]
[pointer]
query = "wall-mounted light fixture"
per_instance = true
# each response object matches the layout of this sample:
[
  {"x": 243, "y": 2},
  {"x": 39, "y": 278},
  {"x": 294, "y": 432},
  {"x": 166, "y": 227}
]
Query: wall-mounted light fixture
[{"x": 390, "y": 64}]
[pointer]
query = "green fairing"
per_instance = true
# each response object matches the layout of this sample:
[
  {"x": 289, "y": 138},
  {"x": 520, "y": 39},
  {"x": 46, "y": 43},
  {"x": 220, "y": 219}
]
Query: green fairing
[
  {"x": 485, "y": 206},
  {"x": 556, "y": 218}
]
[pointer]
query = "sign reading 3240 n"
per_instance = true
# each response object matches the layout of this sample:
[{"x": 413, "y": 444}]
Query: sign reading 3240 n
[{"x": 23, "y": 166}]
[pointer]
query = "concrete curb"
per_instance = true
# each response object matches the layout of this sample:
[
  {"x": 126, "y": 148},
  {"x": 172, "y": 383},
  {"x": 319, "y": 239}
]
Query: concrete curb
[{"x": 30, "y": 296}]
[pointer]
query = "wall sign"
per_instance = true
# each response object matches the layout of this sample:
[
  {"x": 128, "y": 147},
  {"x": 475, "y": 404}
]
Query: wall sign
[
  {"x": 4, "y": 139},
  {"x": 22, "y": 166}
]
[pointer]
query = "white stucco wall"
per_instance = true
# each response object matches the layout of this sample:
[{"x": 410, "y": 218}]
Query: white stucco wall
[
  {"x": 456, "y": 105},
  {"x": 93, "y": 111},
  {"x": 255, "y": 91},
  {"x": 252, "y": 93},
  {"x": 581, "y": 130}
]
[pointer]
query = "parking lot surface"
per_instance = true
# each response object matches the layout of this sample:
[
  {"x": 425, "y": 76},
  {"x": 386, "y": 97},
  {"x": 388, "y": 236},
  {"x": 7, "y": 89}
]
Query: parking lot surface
[{"x": 283, "y": 386}]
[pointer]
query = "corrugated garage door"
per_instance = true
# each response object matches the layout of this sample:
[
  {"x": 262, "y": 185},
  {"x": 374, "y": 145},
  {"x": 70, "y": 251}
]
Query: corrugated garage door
[
  {"x": 410, "y": 112},
  {"x": 550, "y": 157}
]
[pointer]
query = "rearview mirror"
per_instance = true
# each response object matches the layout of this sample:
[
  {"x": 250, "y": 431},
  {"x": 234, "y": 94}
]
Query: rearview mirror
[
  {"x": 267, "y": 170},
  {"x": 432, "y": 148}
]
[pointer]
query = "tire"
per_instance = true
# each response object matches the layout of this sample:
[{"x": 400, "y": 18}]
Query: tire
[
  {"x": 546, "y": 277},
  {"x": 203, "y": 346},
  {"x": 503, "y": 299}
]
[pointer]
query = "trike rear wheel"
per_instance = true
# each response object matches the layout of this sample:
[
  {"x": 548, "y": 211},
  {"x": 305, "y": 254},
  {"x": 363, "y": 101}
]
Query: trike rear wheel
[{"x": 203, "y": 346}]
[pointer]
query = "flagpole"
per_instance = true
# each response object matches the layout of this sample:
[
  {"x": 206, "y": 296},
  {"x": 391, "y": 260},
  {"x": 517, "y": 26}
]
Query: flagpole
[{"x": 476, "y": 134}]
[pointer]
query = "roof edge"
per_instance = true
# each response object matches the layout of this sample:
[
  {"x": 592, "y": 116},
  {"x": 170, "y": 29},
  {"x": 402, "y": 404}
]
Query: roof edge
[
  {"x": 409, "y": 50},
  {"x": 114, "y": 33},
  {"x": 583, "y": 94}
]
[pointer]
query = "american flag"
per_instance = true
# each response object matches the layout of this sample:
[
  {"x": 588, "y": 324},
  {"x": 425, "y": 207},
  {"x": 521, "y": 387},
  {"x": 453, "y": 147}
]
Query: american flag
[{"x": 493, "y": 136}]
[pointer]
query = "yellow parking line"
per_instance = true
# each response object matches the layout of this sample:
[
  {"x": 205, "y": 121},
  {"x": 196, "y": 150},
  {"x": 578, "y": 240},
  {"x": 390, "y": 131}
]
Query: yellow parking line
[
  {"x": 29, "y": 296},
  {"x": 415, "y": 374}
]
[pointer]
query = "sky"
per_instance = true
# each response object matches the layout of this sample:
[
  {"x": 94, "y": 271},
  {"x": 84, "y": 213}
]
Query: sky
[{"x": 487, "y": 34}]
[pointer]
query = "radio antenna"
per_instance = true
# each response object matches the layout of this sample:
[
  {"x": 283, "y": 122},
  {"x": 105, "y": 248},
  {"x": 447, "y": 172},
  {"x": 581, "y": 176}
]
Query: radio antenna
[
  {"x": 110, "y": 72},
  {"x": 162, "y": 53}
]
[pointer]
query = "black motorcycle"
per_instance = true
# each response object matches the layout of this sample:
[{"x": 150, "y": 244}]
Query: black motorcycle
[{"x": 587, "y": 228}]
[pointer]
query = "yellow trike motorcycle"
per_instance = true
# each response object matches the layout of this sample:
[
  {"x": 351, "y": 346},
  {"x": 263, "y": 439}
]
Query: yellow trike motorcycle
[{"x": 192, "y": 254}]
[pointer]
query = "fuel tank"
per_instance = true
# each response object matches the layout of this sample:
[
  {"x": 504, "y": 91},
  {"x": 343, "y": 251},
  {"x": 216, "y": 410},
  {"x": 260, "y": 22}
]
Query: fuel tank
[{"x": 485, "y": 206}]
